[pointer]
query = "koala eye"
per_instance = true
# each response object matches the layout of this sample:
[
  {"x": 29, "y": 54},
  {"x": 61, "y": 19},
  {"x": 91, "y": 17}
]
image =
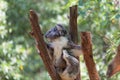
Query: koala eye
[{"x": 65, "y": 32}]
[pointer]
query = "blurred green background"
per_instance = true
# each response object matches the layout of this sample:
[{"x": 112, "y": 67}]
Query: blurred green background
[{"x": 19, "y": 59}]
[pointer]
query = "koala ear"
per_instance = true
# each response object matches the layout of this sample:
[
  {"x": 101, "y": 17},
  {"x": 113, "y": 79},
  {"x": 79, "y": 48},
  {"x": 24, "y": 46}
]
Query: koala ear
[{"x": 59, "y": 27}]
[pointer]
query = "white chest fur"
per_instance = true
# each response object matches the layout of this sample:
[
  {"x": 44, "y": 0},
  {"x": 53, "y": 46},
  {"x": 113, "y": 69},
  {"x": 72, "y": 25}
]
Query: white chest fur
[{"x": 58, "y": 44}]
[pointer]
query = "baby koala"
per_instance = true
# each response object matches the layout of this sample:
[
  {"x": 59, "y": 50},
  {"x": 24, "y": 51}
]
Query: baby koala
[{"x": 72, "y": 67}]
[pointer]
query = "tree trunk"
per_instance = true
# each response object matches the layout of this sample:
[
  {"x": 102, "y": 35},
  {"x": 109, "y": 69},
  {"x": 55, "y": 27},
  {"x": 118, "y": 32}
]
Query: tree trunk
[
  {"x": 73, "y": 29},
  {"x": 41, "y": 46},
  {"x": 88, "y": 56}
]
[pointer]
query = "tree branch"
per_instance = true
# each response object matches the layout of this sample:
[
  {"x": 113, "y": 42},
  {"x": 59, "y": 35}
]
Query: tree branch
[
  {"x": 88, "y": 57},
  {"x": 114, "y": 65},
  {"x": 73, "y": 24},
  {"x": 73, "y": 29},
  {"x": 37, "y": 34}
]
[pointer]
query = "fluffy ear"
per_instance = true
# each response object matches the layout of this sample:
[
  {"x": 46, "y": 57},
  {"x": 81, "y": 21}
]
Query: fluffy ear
[
  {"x": 62, "y": 31},
  {"x": 59, "y": 27}
]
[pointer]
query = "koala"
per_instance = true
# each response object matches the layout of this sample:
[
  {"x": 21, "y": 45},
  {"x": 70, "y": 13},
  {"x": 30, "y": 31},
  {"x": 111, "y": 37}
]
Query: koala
[
  {"x": 72, "y": 67},
  {"x": 63, "y": 52},
  {"x": 58, "y": 39}
]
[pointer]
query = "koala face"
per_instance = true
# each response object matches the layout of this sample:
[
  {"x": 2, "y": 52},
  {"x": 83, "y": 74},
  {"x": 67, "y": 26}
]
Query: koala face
[{"x": 55, "y": 32}]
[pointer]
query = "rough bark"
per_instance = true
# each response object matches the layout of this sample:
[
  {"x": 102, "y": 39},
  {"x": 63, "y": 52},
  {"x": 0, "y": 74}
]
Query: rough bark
[
  {"x": 73, "y": 24},
  {"x": 41, "y": 46},
  {"x": 88, "y": 56},
  {"x": 73, "y": 28}
]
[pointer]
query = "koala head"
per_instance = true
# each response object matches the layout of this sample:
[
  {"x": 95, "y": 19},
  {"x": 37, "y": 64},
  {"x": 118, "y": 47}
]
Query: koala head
[{"x": 56, "y": 32}]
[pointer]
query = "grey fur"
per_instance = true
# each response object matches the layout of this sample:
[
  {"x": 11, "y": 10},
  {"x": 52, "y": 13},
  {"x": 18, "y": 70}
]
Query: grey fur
[{"x": 63, "y": 52}]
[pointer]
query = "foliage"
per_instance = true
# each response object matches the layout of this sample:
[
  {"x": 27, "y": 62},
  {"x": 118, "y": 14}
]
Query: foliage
[
  {"x": 102, "y": 19},
  {"x": 18, "y": 56}
]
